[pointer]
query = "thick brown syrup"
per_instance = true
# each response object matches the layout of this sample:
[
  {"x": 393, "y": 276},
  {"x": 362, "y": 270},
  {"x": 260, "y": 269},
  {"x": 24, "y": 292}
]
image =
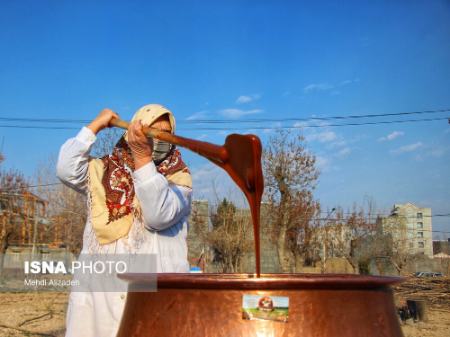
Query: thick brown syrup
[{"x": 240, "y": 157}]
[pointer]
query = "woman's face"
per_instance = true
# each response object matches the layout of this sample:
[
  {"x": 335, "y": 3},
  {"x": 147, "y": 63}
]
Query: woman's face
[
  {"x": 162, "y": 123},
  {"x": 161, "y": 149}
]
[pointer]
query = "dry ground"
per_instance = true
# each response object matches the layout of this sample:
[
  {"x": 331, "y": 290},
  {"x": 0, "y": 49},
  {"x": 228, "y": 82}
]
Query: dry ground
[
  {"x": 32, "y": 314},
  {"x": 436, "y": 293},
  {"x": 43, "y": 314}
]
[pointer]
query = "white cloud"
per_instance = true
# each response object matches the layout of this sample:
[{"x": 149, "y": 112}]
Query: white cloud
[
  {"x": 243, "y": 99},
  {"x": 273, "y": 127},
  {"x": 300, "y": 124},
  {"x": 317, "y": 87},
  {"x": 213, "y": 183},
  {"x": 202, "y": 136},
  {"x": 323, "y": 163},
  {"x": 438, "y": 149},
  {"x": 203, "y": 179},
  {"x": 237, "y": 113},
  {"x": 325, "y": 86},
  {"x": 391, "y": 136},
  {"x": 332, "y": 146},
  {"x": 343, "y": 152},
  {"x": 247, "y": 98},
  {"x": 197, "y": 115},
  {"x": 322, "y": 137},
  {"x": 408, "y": 148},
  {"x": 439, "y": 152},
  {"x": 347, "y": 82},
  {"x": 338, "y": 143}
]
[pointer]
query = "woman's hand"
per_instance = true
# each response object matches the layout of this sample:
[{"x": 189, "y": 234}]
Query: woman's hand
[
  {"x": 103, "y": 120},
  {"x": 141, "y": 146}
]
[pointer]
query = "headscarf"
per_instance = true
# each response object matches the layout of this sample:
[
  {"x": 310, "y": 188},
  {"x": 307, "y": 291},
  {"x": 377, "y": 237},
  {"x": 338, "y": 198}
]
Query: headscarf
[{"x": 112, "y": 198}]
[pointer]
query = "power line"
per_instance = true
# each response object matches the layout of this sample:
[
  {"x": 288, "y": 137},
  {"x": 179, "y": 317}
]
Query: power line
[
  {"x": 249, "y": 127},
  {"x": 262, "y": 120},
  {"x": 6, "y": 191},
  {"x": 415, "y": 230},
  {"x": 38, "y": 127},
  {"x": 321, "y": 126},
  {"x": 44, "y": 120},
  {"x": 365, "y": 216},
  {"x": 228, "y": 121},
  {"x": 344, "y": 219},
  {"x": 373, "y": 217},
  {"x": 419, "y": 238},
  {"x": 3, "y": 190}
]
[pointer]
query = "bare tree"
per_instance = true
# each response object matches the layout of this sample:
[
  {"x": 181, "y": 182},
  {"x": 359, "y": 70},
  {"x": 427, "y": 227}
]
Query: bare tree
[
  {"x": 106, "y": 140},
  {"x": 230, "y": 237},
  {"x": 334, "y": 236},
  {"x": 12, "y": 187},
  {"x": 397, "y": 229},
  {"x": 290, "y": 178},
  {"x": 342, "y": 229},
  {"x": 197, "y": 237}
]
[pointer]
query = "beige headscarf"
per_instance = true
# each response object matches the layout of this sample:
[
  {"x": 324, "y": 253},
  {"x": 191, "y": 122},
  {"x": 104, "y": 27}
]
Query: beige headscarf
[{"x": 113, "y": 203}]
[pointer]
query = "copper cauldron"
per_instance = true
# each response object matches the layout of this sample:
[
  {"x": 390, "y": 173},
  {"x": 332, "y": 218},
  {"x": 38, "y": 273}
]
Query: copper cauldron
[{"x": 210, "y": 305}]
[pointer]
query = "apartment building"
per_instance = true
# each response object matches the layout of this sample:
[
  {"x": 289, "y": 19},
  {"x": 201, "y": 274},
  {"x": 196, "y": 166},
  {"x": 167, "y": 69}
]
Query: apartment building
[{"x": 411, "y": 229}]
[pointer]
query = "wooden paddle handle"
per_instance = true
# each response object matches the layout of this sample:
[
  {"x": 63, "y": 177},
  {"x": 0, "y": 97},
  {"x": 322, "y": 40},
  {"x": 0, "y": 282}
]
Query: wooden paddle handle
[
  {"x": 119, "y": 123},
  {"x": 149, "y": 132},
  {"x": 213, "y": 152}
]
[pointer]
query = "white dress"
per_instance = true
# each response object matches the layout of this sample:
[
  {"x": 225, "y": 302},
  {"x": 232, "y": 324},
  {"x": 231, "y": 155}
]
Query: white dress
[{"x": 165, "y": 209}]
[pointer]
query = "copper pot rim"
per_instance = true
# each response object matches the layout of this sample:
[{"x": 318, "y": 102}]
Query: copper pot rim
[{"x": 266, "y": 281}]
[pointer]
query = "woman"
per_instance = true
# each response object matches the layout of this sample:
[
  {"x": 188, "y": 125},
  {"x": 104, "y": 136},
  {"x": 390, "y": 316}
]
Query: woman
[{"x": 139, "y": 199}]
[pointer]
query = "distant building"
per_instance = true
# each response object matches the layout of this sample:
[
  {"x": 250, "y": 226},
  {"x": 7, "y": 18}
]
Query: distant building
[
  {"x": 23, "y": 217},
  {"x": 15, "y": 256},
  {"x": 442, "y": 246},
  {"x": 333, "y": 240},
  {"x": 411, "y": 229}
]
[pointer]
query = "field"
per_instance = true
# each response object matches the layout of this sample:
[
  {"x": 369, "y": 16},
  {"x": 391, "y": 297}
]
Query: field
[
  {"x": 43, "y": 314},
  {"x": 33, "y": 314},
  {"x": 436, "y": 293}
]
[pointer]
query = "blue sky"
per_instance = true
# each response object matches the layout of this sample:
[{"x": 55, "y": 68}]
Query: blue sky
[{"x": 238, "y": 60}]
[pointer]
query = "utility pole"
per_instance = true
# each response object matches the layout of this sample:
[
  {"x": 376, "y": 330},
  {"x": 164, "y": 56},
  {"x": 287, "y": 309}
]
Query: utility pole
[
  {"x": 326, "y": 236},
  {"x": 35, "y": 223}
]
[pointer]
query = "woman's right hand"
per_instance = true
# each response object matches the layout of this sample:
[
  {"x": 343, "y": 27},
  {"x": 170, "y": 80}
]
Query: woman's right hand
[
  {"x": 141, "y": 146},
  {"x": 103, "y": 120}
]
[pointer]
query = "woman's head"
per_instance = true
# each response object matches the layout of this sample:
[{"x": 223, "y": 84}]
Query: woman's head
[
  {"x": 158, "y": 117},
  {"x": 155, "y": 115}
]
